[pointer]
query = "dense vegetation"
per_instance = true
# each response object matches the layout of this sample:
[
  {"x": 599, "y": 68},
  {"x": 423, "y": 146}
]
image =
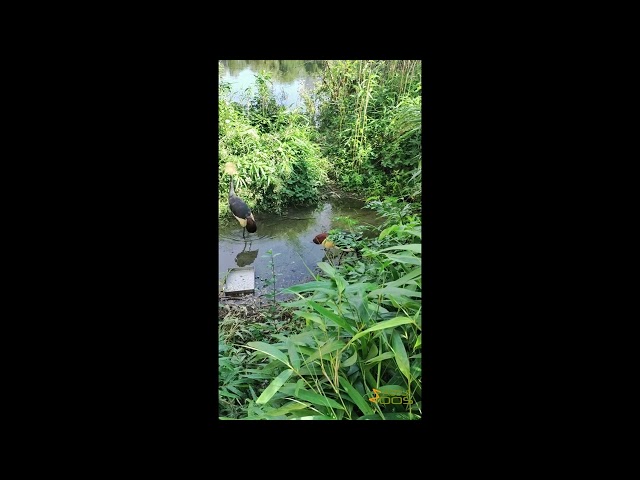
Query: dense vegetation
[{"x": 349, "y": 346}]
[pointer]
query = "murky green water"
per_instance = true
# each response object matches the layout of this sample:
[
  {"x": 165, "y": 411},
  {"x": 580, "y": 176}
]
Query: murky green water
[{"x": 291, "y": 236}]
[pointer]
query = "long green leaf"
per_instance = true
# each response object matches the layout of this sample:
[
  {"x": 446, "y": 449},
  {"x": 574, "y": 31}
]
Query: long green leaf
[
  {"x": 288, "y": 407},
  {"x": 355, "y": 396},
  {"x": 314, "y": 417},
  {"x": 394, "y": 322},
  {"x": 341, "y": 283},
  {"x": 328, "y": 269},
  {"x": 341, "y": 322},
  {"x": 351, "y": 360},
  {"x": 412, "y": 247},
  {"x": 274, "y": 386},
  {"x": 405, "y": 278},
  {"x": 405, "y": 259},
  {"x": 269, "y": 350},
  {"x": 308, "y": 287},
  {"x": 401, "y": 354},
  {"x": 293, "y": 356},
  {"x": 360, "y": 287},
  {"x": 314, "y": 318},
  {"x": 380, "y": 358},
  {"x": 387, "y": 231},
  {"x": 395, "y": 291},
  {"x": 328, "y": 347},
  {"x": 317, "y": 399}
]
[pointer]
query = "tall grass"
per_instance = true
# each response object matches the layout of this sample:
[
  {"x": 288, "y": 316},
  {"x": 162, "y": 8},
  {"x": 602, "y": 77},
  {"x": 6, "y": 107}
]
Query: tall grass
[{"x": 360, "y": 106}]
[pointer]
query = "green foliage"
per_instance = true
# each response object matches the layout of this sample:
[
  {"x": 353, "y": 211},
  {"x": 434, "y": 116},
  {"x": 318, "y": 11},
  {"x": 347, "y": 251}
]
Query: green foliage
[
  {"x": 278, "y": 163},
  {"x": 370, "y": 124},
  {"x": 354, "y": 332},
  {"x": 362, "y": 335}
]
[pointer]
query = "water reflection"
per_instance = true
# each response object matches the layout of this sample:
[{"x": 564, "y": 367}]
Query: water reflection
[
  {"x": 246, "y": 257},
  {"x": 289, "y": 78}
]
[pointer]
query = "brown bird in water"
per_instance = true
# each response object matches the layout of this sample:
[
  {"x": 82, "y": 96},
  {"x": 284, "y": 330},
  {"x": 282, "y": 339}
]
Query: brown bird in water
[{"x": 321, "y": 239}]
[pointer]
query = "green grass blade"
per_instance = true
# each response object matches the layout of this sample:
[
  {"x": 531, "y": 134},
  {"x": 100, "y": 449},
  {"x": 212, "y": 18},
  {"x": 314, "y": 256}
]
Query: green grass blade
[{"x": 274, "y": 386}]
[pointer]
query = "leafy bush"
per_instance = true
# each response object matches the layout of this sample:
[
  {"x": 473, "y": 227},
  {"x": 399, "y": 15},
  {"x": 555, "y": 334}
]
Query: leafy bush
[
  {"x": 277, "y": 161},
  {"x": 362, "y": 337},
  {"x": 370, "y": 123}
]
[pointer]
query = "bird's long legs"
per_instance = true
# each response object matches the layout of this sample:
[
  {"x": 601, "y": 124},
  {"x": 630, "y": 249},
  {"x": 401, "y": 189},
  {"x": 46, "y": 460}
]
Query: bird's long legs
[{"x": 243, "y": 229}]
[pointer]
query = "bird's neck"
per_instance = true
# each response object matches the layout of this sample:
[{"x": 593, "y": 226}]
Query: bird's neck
[{"x": 231, "y": 192}]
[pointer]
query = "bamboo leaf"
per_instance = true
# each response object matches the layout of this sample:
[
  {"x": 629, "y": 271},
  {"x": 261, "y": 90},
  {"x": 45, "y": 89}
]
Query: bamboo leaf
[
  {"x": 341, "y": 283},
  {"x": 288, "y": 407},
  {"x": 269, "y": 350},
  {"x": 394, "y": 322},
  {"x": 413, "y": 247},
  {"x": 341, "y": 322},
  {"x": 387, "y": 231},
  {"x": 328, "y": 347},
  {"x": 404, "y": 259},
  {"x": 328, "y": 269},
  {"x": 314, "y": 417},
  {"x": 274, "y": 386},
  {"x": 405, "y": 278},
  {"x": 394, "y": 291},
  {"x": 293, "y": 356},
  {"x": 373, "y": 351},
  {"x": 401, "y": 354},
  {"x": 317, "y": 399},
  {"x": 355, "y": 396},
  {"x": 351, "y": 360},
  {"x": 380, "y": 358},
  {"x": 308, "y": 287}
]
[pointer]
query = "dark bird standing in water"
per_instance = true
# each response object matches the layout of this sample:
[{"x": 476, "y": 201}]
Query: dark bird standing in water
[{"x": 239, "y": 208}]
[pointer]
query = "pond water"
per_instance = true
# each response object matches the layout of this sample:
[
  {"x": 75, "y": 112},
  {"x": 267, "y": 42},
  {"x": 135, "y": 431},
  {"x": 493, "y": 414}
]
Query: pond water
[
  {"x": 289, "y": 235},
  {"x": 289, "y": 78}
]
